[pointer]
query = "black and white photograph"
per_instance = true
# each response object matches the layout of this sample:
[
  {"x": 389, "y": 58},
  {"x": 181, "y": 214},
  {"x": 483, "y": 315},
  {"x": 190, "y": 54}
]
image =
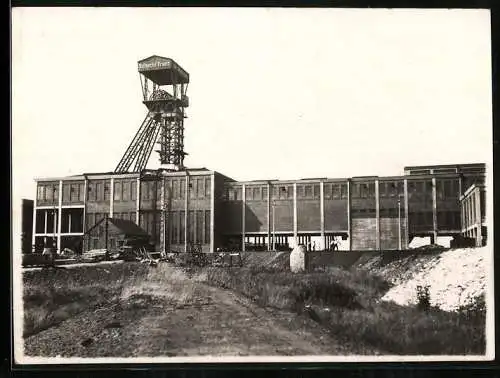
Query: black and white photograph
[{"x": 212, "y": 185}]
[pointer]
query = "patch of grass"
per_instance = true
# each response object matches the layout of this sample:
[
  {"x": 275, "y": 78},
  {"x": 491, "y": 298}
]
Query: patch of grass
[
  {"x": 346, "y": 303},
  {"x": 409, "y": 330},
  {"x": 51, "y": 296},
  {"x": 279, "y": 289}
]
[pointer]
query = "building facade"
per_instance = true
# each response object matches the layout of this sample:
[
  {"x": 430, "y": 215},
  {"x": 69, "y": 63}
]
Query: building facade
[
  {"x": 473, "y": 214},
  {"x": 206, "y": 208}
]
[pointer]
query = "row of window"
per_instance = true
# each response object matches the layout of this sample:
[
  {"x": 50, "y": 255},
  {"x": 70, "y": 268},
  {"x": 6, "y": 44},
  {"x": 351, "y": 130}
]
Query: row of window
[
  {"x": 279, "y": 192},
  {"x": 47, "y": 192},
  {"x": 198, "y": 188},
  {"x": 331, "y": 191},
  {"x": 124, "y": 190},
  {"x": 201, "y": 187}
]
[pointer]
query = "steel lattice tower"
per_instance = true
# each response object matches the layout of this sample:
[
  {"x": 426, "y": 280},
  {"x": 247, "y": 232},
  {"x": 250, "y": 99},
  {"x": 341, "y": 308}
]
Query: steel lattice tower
[{"x": 164, "y": 85}]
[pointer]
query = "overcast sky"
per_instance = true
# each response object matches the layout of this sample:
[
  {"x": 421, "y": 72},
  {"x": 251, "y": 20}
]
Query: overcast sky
[{"x": 281, "y": 93}]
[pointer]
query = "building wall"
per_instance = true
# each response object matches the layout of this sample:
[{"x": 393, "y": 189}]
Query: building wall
[
  {"x": 308, "y": 207},
  {"x": 256, "y": 209},
  {"x": 366, "y": 208},
  {"x": 26, "y": 225},
  {"x": 335, "y": 206}
]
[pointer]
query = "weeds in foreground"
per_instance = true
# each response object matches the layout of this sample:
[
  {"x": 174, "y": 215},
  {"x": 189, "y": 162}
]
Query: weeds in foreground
[
  {"x": 423, "y": 298},
  {"x": 356, "y": 315},
  {"x": 53, "y": 295}
]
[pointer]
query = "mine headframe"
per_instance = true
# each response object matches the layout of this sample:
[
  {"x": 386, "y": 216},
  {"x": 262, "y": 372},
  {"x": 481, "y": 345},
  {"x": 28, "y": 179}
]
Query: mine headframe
[{"x": 164, "y": 86}]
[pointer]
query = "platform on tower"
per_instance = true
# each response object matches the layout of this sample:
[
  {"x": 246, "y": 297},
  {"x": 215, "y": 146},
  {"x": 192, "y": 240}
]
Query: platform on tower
[{"x": 163, "y": 71}]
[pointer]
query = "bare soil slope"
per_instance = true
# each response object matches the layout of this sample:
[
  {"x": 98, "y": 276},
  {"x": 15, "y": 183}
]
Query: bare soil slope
[{"x": 170, "y": 314}]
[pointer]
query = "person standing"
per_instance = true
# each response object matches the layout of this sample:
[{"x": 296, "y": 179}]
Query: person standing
[{"x": 335, "y": 245}]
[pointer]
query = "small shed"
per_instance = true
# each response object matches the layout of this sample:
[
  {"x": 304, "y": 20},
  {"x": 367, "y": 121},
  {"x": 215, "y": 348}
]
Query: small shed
[{"x": 113, "y": 233}]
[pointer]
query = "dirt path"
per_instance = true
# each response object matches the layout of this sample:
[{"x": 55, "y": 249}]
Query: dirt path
[{"x": 189, "y": 320}]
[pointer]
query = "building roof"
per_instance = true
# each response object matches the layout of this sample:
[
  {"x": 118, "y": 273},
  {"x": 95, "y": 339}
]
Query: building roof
[{"x": 128, "y": 227}]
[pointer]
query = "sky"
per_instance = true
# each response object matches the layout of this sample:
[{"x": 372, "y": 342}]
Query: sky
[{"x": 274, "y": 93}]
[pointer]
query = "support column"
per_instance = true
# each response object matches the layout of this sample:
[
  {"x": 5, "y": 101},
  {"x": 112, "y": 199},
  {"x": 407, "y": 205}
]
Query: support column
[
  {"x": 85, "y": 195},
  {"x": 138, "y": 201},
  {"x": 186, "y": 213},
  {"x": 111, "y": 197},
  {"x": 469, "y": 210},
  {"x": 243, "y": 204},
  {"x": 295, "y": 228},
  {"x": 59, "y": 213},
  {"x": 269, "y": 216},
  {"x": 407, "y": 227},
  {"x": 377, "y": 216},
  {"x": 349, "y": 220},
  {"x": 322, "y": 214},
  {"x": 163, "y": 244},
  {"x": 434, "y": 210},
  {"x": 479, "y": 239},
  {"x": 212, "y": 214},
  {"x": 33, "y": 235}
]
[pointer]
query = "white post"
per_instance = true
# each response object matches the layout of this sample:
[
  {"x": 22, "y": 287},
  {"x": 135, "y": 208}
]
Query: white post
[
  {"x": 33, "y": 236},
  {"x": 163, "y": 218},
  {"x": 322, "y": 214},
  {"x": 274, "y": 231},
  {"x": 111, "y": 197},
  {"x": 349, "y": 218},
  {"x": 186, "y": 213},
  {"x": 269, "y": 245},
  {"x": 138, "y": 200},
  {"x": 399, "y": 222},
  {"x": 243, "y": 204},
  {"x": 434, "y": 210},
  {"x": 479, "y": 234},
  {"x": 377, "y": 215},
  {"x": 295, "y": 228},
  {"x": 59, "y": 213},
  {"x": 407, "y": 230},
  {"x": 212, "y": 214},
  {"x": 85, "y": 190}
]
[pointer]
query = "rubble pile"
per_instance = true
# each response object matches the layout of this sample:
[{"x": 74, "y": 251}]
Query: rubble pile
[{"x": 454, "y": 278}]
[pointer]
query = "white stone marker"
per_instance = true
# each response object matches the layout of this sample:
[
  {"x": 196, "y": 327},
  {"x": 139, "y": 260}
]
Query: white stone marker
[{"x": 298, "y": 259}]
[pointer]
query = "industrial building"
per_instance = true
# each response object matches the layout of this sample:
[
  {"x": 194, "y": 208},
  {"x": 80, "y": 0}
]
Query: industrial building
[
  {"x": 26, "y": 225},
  {"x": 182, "y": 207}
]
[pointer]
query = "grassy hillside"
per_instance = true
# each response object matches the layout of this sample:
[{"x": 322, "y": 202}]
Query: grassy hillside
[
  {"x": 51, "y": 296},
  {"x": 347, "y": 303}
]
